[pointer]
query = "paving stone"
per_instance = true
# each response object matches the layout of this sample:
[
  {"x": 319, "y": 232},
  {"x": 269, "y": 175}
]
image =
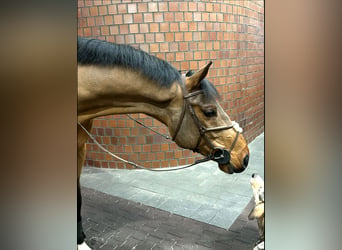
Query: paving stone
[{"x": 141, "y": 227}]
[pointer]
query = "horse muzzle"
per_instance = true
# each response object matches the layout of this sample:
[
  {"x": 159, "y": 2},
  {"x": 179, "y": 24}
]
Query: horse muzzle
[{"x": 223, "y": 158}]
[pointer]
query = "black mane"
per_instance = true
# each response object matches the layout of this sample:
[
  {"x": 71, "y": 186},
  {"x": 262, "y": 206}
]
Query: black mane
[{"x": 98, "y": 52}]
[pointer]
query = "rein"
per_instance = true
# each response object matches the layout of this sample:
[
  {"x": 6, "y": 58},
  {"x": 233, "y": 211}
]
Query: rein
[{"x": 208, "y": 158}]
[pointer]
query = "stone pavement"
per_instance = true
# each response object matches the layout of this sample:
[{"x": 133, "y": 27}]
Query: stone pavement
[
  {"x": 111, "y": 222},
  {"x": 201, "y": 194}
]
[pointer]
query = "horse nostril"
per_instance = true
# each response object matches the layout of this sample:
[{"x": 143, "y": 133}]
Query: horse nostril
[
  {"x": 246, "y": 160},
  {"x": 253, "y": 175}
]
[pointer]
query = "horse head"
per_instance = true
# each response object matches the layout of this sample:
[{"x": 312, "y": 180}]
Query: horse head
[{"x": 205, "y": 127}]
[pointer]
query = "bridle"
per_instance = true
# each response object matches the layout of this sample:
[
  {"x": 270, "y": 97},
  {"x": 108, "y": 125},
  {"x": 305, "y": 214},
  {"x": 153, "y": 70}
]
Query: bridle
[{"x": 220, "y": 155}]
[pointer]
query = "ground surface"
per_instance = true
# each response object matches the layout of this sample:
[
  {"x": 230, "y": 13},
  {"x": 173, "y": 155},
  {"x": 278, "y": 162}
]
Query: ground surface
[
  {"x": 195, "y": 208},
  {"x": 114, "y": 223}
]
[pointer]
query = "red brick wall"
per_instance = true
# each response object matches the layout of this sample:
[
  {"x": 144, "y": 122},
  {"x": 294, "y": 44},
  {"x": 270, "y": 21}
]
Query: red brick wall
[{"x": 186, "y": 34}]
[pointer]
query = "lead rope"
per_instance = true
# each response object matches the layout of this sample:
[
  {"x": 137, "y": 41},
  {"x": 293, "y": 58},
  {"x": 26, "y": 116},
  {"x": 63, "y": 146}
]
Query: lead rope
[{"x": 208, "y": 158}]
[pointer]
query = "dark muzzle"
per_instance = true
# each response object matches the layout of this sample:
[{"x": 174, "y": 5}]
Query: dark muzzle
[{"x": 221, "y": 156}]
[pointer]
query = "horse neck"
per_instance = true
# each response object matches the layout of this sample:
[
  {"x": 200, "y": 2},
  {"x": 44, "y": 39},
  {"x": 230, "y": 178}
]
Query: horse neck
[{"x": 105, "y": 91}]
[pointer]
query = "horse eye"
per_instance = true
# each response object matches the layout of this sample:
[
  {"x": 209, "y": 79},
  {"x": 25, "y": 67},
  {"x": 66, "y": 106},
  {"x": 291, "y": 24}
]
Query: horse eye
[{"x": 210, "y": 113}]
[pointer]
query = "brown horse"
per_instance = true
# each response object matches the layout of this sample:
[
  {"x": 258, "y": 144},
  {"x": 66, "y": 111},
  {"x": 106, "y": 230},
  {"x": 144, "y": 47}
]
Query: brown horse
[{"x": 119, "y": 79}]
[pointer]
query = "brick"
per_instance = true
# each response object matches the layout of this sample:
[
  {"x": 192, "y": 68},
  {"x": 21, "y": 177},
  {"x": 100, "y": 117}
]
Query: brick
[
  {"x": 183, "y": 46},
  {"x": 85, "y": 12},
  {"x": 80, "y": 3},
  {"x": 82, "y": 22},
  {"x": 154, "y": 27},
  {"x": 99, "y": 21},
  {"x": 170, "y": 57},
  {"x": 205, "y": 36},
  {"x": 164, "y": 164},
  {"x": 219, "y": 17},
  {"x": 112, "y": 9},
  {"x": 129, "y": 39},
  {"x": 154, "y": 47},
  {"x": 160, "y": 37},
  {"x": 133, "y": 28},
  {"x": 164, "y": 27},
  {"x": 201, "y": 6},
  {"x": 90, "y": 21},
  {"x": 103, "y": 10},
  {"x": 205, "y": 17},
  {"x": 192, "y": 26},
  {"x": 158, "y": 17},
  {"x": 106, "y": 2},
  {"x": 174, "y": 27},
  {"x": 118, "y": 19},
  {"x": 212, "y": 36},
  {"x": 139, "y": 38},
  {"x": 79, "y": 13},
  {"x": 188, "y": 56},
  {"x": 142, "y": 7},
  {"x": 155, "y": 148},
  {"x": 188, "y": 36},
  {"x": 105, "y": 30},
  {"x": 169, "y": 17},
  {"x": 217, "y": 7},
  {"x": 173, "y": 162},
  {"x": 179, "y": 56},
  {"x": 148, "y": 17},
  {"x": 205, "y": 55},
  {"x": 114, "y": 30},
  {"x": 144, "y": 28},
  {"x": 131, "y": 8},
  {"x": 173, "y": 6},
  {"x": 188, "y": 16},
  {"x": 179, "y": 36},
  {"x": 183, "y": 26},
  {"x": 94, "y": 11},
  {"x": 193, "y": 65},
  {"x": 123, "y": 30},
  {"x": 196, "y": 36},
  {"x": 128, "y": 18},
  {"x": 122, "y": 8},
  {"x": 151, "y": 157},
  {"x": 193, "y": 46},
  {"x": 152, "y": 7},
  {"x": 197, "y": 55},
  {"x": 209, "y": 7},
  {"x": 138, "y": 18},
  {"x": 87, "y": 32},
  {"x": 80, "y": 32},
  {"x": 179, "y": 16},
  {"x": 197, "y": 16},
  {"x": 95, "y": 31},
  {"x": 163, "y": 6},
  {"x": 149, "y": 38}
]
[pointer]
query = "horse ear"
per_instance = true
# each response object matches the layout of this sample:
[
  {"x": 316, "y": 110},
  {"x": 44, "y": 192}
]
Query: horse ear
[{"x": 193, "y": 81}]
